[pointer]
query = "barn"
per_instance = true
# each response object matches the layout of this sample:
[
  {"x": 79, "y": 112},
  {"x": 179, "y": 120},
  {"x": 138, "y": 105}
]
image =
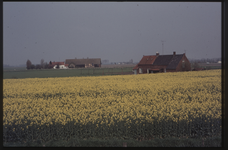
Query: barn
[
  {"x": 83, "y": 63},
  {"x": 163, "y": 63}
]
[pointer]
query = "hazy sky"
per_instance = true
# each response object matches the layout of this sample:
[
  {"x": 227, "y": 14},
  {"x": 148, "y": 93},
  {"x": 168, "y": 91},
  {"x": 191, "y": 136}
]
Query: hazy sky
[{"x": 117, "y": 31}]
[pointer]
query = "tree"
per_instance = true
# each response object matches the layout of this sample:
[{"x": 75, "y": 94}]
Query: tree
[
  {"x": 46, "y": 65},
  {"x": 131, "y": 61},
  {"x": 32, "y": 66},
  {"x": 42, "y": 63},
  {"x": 38, "y": 66},
  {"x": 28, "y": 64}
]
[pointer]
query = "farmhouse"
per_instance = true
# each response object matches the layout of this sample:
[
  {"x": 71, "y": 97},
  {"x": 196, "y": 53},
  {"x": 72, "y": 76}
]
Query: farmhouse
[
  {"x": 59, "y": 65},
  {"x": 163, "y": 63},
  {"x": 83, "y": 63}
]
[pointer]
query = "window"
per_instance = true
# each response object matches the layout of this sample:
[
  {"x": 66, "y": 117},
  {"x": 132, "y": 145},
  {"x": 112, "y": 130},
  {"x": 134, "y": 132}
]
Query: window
[{"x": 183, "y": 64}]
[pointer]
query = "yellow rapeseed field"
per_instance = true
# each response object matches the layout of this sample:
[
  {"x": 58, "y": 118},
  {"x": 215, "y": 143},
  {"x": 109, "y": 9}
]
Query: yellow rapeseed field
[{"x": 148, "y": 105}]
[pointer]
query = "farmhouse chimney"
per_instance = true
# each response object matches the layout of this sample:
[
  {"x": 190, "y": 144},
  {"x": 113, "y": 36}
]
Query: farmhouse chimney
[
  {"x": 157, "y": 53},
  {"x": 174, "y": 53}
]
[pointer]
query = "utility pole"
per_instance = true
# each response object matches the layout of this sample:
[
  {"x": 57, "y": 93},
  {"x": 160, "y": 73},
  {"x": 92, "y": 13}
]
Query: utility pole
[{"x": 162, "y": 46}]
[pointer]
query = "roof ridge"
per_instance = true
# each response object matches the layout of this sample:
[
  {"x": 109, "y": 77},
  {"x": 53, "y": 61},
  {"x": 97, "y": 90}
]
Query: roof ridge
[{"x": 169, "y": 55}]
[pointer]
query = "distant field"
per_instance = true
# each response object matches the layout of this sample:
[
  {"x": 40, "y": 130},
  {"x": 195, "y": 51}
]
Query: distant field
[
  {"x": 211, "y": 65},
  {"x": 45, "y": 73},
  {"x": 14, "y": 69},
  {"x": 118, "y": 66}
]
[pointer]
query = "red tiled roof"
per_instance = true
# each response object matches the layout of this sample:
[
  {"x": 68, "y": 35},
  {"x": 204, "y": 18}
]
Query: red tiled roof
[
  {"x": 57, "y": 63},
  {"x": 66, "y": 65},
  {"x": 148, "y": 59},
  {"x": 136, "y": 67}
]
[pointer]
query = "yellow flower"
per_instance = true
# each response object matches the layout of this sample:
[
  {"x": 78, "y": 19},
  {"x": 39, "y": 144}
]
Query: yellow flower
[{"x": 100, "y": 100}]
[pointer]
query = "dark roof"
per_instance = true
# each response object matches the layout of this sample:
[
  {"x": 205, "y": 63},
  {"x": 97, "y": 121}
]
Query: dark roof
[
  {"x": 162, "y": 60},
  {"x": 175, "y": 61},
  {"x": 84, "y": 61}
]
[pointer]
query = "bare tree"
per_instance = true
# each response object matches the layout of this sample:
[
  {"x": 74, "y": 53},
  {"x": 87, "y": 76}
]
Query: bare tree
[
  {"x": 42, "y": 63},
  {"x": 32, "y": 66},
  {"x": 46, "y": 65},
  {"x": 38, "y": 66},
  {"x": 28, "y": 64},
  {"x": 131, "y": 61}
]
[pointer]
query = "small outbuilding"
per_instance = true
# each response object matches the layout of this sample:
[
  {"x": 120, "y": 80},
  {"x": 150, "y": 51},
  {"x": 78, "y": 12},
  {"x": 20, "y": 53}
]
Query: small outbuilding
[
  {"x": 163, "y": 63},
  {"x": 58, "y": 65}
]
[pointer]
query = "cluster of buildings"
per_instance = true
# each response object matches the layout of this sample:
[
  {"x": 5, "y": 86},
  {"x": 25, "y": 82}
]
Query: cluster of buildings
[
  {"x": 76, "y": 63},
  {"x": 148, "y": 64}
]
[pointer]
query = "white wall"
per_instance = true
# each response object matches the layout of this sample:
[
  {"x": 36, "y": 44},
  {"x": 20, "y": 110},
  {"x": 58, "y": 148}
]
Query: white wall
[{"x": 60, "y": 67}]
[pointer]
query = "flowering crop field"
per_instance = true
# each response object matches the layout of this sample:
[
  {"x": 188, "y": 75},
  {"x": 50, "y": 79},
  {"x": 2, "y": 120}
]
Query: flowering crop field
[{"x": 123, "y": 106}]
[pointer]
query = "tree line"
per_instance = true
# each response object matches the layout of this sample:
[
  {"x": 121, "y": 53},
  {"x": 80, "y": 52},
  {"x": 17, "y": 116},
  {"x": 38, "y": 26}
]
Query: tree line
[
  {"x": 205, "y": 60},
  {"x": 42, "y": 65}
]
